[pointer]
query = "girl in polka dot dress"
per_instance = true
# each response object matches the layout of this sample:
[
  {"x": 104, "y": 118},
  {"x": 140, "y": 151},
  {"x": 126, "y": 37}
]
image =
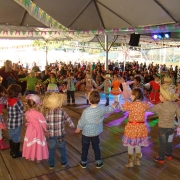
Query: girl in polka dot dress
[{"x": 135, "y": 133}]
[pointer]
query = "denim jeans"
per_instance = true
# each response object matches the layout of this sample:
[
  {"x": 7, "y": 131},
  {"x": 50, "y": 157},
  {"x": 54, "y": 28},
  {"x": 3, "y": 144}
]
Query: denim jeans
[
  {"x": 30, "y": 92},
  {"x": 70, "y": 94},
  {"x": 85, "y": 147},
  {"x": 52, "y": 148},
  {"x": 107, "y": 97},
  {"x": 165, "y": 141},
  {"x": 14, "y": 134}
]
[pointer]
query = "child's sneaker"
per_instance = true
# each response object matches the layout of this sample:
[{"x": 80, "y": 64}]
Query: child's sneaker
[
  {"x": 64, "y": 164},
  {"x": 83, "y": 165},
  {"x": 160, "y": 160},
  {"x": 98, "y": 166},
  {"x": 51, "y": 166},
  {"x": 168, "y": 157}
]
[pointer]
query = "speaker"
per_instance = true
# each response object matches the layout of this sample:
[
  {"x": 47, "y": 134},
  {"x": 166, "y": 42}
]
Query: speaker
[{"x": 134, "y": 39}]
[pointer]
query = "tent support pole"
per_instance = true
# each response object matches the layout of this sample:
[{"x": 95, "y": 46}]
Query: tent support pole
[
  {"x": 46, "y": 53},
  {"x": 106, "y": 50}
]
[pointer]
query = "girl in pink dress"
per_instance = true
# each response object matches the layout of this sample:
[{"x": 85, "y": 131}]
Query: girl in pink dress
[
  {"x": 126, "y": 94},
  {"x": 116, "y": 91},
  {"x": 35, "y": 146}
]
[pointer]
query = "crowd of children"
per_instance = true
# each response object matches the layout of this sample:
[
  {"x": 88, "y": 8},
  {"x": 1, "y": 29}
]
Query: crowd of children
[{"x": 46, "y": 119}]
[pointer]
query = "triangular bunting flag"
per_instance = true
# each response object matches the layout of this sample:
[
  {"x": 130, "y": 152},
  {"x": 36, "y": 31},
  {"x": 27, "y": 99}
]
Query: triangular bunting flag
[
  {"x": 50, "y": 32},
  {"x": 24, "y": 32},
  {"x": 93, "y": 31},
  {"x": 36, "y": 32},
  {"x": 11, "y": 32},
  {"x": 27, "y": 2}
]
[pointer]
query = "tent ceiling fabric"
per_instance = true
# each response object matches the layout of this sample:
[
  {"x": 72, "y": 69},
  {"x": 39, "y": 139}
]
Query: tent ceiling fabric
[
  {"x": 90, "y": 15},
  {"x": 95, "y": 14},
  {"x": 13, "y": 14},
  {"x": 137, "y": 13}
]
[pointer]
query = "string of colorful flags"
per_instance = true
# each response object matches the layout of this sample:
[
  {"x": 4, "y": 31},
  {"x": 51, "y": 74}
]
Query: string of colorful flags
[
  {"x": 40, "y": 15},
  {"x": 71, "y": 44},
  {"x": 46, "y": 19}
]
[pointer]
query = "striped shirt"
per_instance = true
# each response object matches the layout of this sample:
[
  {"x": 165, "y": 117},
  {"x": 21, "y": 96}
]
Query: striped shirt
[{"x": 56, "y": 120}]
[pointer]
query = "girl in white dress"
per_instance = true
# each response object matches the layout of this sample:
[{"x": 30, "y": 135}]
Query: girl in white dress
[{"x": 126, "y": 89}]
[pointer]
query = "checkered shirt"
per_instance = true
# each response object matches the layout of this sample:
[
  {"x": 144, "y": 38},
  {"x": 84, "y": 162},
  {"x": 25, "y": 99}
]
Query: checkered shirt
[
  {"x": 56, "y": 120},
  {"x": 91, "y": 121},
  {"x": 15, "y": 115}
]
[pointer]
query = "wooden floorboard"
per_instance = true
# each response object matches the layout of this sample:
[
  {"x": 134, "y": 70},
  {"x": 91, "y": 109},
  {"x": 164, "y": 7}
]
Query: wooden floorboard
[{"x": 114, "y": 155}]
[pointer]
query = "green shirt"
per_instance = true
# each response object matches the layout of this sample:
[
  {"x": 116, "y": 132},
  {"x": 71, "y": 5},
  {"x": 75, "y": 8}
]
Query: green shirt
[{"x": 30, "y": 82}]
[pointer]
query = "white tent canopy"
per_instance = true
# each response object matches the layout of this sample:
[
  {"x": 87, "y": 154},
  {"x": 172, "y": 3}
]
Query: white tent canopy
[
  {"x": 95, "y": 14},
  {"x": 87, "y": 15}
]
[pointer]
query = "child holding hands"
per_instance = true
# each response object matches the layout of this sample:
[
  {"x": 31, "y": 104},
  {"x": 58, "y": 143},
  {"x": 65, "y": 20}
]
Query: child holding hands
[
  {"x": 166, "y": 110},
  {"x": 15, "y": 111},
  {"x": 136, "y": 132},
  {"x": 91, "y": 124},
  {"x": 56, "y": 120},
  {"x": 35, "y": 146},
  {"x": 107, "y": 88}
]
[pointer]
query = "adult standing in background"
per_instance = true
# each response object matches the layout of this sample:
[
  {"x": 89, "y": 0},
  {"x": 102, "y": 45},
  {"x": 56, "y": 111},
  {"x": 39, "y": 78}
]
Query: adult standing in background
[
  {"x": 8, "y": 74},
  {"x": 35, "y": 68}
]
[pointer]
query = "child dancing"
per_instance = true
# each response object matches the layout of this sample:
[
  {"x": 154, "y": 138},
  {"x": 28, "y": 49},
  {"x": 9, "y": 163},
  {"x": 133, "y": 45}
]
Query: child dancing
[
  {"x": 154, "y": 94},
  {"x": 135, "y": 133},
  {"x": 56, "y": 120},
  {"x": 126, "y": 94},
  {"x": 70, "y": 88},
  {"x": 31, "y": 83},
  {"x": 91, "y": 124},
  {"x": 35, "y": 146},
  {"x": 89, "y": 85},
  {"x": 52, "y": 83},
  {"x": 15, "y": 111},
  {"x": 166, "y": 110},
  {"x": 107, "y": 88},
  {"x": 116, "y": 91},
  {"x": 3, "y": 102}
]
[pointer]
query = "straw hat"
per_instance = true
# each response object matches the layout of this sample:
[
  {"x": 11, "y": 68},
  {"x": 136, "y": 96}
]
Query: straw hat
[
  {"x": 32, "y": 72},
  {"x": 108, "y": 76},
  {"x": 167, "y": 80},
  {"x": 168, "y": 93},
  {"x": 35, "y": 98},
  {"x": 53, "y": 101}
]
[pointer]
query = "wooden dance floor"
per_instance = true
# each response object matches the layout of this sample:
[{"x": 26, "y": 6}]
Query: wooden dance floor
[{"x": 113, "y": 154}]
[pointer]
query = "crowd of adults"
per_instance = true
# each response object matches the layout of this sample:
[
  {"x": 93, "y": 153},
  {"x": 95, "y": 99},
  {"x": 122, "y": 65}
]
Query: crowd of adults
[{"x": 10, "y": 73}]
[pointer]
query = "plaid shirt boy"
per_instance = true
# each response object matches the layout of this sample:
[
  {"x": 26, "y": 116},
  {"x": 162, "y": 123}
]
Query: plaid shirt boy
[
  {"x": 15, "y": 109},
  {"x": 56, "y": 120}
]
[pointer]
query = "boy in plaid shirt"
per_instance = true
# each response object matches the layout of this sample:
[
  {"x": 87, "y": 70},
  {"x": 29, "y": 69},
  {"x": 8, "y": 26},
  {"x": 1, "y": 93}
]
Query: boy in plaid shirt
[
  {"x": 56, "y": 120},
  {"x": 15, "y": 111}
]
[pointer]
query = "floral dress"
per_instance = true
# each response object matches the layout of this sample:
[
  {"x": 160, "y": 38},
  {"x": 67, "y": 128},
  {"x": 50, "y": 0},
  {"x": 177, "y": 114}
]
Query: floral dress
[{"x": 136, "y": 133}]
